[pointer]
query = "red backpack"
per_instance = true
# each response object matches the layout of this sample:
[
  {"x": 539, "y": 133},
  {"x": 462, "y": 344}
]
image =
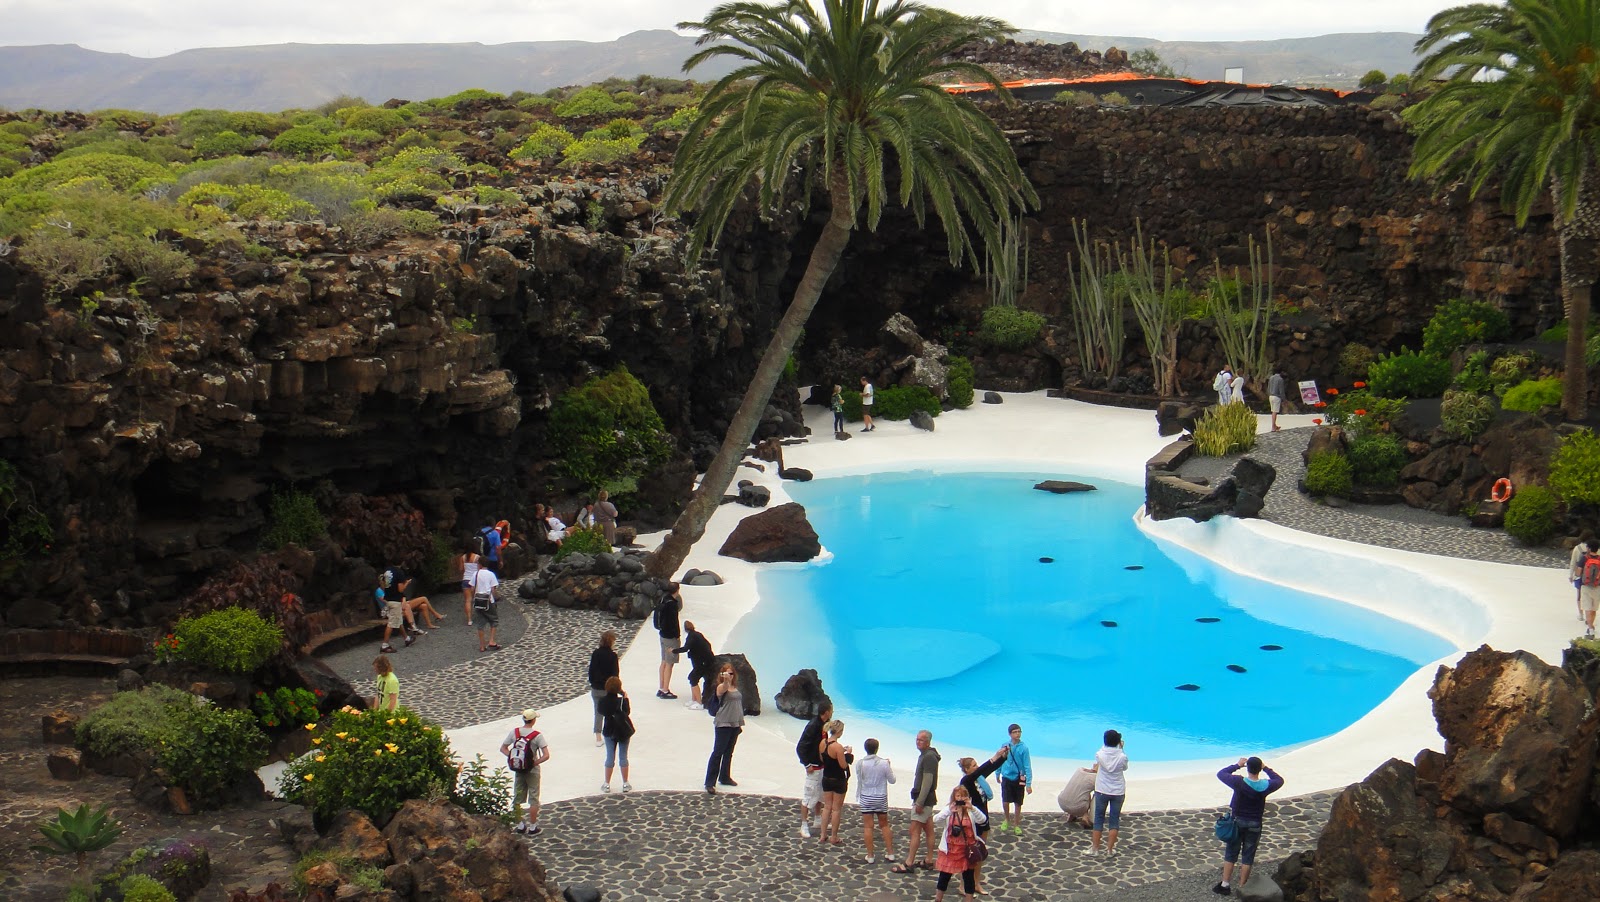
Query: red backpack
[{"x": 1591, "y": 570}]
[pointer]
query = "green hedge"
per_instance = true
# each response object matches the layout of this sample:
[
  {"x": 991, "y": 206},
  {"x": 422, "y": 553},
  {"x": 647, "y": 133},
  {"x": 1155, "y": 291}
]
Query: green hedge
[
  {"x": 1006, "y": 328},
  {"x": 1533, "y": 395},
  {"x": 1409, "y": 374},
  {"x": 1459, "y": 322},
  {"x": 958, "y": 381},
  {"x": 1575, "y": 468},
  {"x": 1329, "y": 473},
  {"x": 893, "y": 403},
  {"x": 1376, "y": 459},
  {"x": 1531, "y": 515},
  {"x": 606, "y": 431},
  {"x": 232, "y": 640}
]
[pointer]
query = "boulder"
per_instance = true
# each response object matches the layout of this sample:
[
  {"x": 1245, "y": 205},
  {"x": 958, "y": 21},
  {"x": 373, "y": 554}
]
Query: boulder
[
  {"x": 795, "y": 474},
  {"x": 1252, "y": 479},
  {"x": 802, "y": 695},
  {"x": 59, "y": 728},
  {"x": 754, "y": 495},
  {"x": 353, "y": 835},
  {"x": 1176, "y": 417},
  {"x": 1520, "y": 739},
  {"x": 1063, "y": 487},
  {"x": 701, "y": 578},
  {"x": 129, "y": 680},
  {"x": 780, "y": 533},
  {"x": 993, "y": 397},
  {"x": 1240, "y": 494},
  {"x": 449, "y": 854},
  {"x": 1259, "y": 888},
  {"x": 922, "y": 420},
  {"x": 900, "y": 328},
  {"x": 748, "y": 688},
  {"x": 1381, "y": 835},
  {"x": 65, "y": 764},
  {"x": 581, "y": 892},
  {"x": 841, "y": 436},
  {"x": 1575, "y": 876},
  {"x": 32, "y": 613},
  {"x": 332, "y": 690},
  {"x": 1325, "y": 438}
]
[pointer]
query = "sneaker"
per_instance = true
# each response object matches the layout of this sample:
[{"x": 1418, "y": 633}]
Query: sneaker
[
  {"x": 671, "y": 695},
  {"x": 1222, "y": 889},
  {"x": 1093, "y": 852},
  {"x": 535, "y": 830},
  {"x": 521, "y": 827},
  {"x": 695, "y": 706},
  {"x": 409, "y": 640},
  {"x": 419, "y": 631},
  {"x": 872, "y": 859},
  {"x": 1589, "y": 633},
  {"x": 605, "y": 787},
  {"x": 866, "y": 430},
  {"x": 387, "y": 649},
  {"x": 627, "y": 787},
  {"x": 805, "y": 829},
  {"x": 661, "y": 693}
]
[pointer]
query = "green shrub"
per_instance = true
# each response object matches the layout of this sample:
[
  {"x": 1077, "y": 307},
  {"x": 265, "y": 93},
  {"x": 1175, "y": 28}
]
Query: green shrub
[
  {"x": 1006, "y": 328},
  {"x": 536, "y": 102},
  {"x": 304, "y": 141},
  {"x": 1474, "y": 375},
  {"x": 144, "y": 888},
  {"x": 1076, "y": 98},
  {"x": 286, "y": 708},
  {"x": 606, "y": 429},
  {"x": 1459, "y": 322},
  {"x": 1465, "y": 414},
  {"x": 679, "y": 120},
  {"x": 1591, "y": 351},
  {"x": 293, "y": 518},
  {"x": 1115, "y": 98},
  {"x": 232, "y": 640},
  {"x": 117, "y": 172},
  {"x": 1355, "y": 359},
  {"x": 207, "y": 749},
  {"x": 248, "y": 202},
  {"x": 583, "y": 541},
  {"x": 1329, "y": 473},
  {"x": 371, "y": 761},
  {"x": 898, "y": 402},
  {"x": 958, "y": 379},
  {"x": 131, "y": 721},
  {"x": 599, "y": 150},
  {"x": 1376, "y": 459},
  {"x": 590, "y": 102},
  {"x": 364, "y": 876},
  {"x": 1225, "y": 429},
  {"x": 1508, "y": 370},
  {"x": 1387, "y": 102},
  {"x": 1531, "y": 515},
  {"x": 546, "y": 141},
  {"x": 482, "y": 789},
  {"x": 374, "y": 118},
  {"x": 1533, "y": 395},
  {"x": 1409, "y": 374},
  {"x": 1575, "y": 468},
  {"x": 1358, "y": 411},
  {"x": 226, "y": 143},
  {"x": 469, "y": 96}
]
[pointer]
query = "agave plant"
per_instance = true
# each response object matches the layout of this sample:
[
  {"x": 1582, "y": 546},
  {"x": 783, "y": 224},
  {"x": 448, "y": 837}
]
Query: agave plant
[{"x": 79, "y": 833}]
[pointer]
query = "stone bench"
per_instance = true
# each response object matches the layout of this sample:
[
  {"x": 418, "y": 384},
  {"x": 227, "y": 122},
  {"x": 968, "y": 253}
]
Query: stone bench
[{"x": 343, "y": 637}]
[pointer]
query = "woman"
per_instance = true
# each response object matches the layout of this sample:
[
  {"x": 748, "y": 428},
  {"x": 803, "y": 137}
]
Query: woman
[
  {"x": 584, "y": 516},
  {"x": 558, "y": 530},
  {"x": 615, "y": 709},
  {"x": 729, "y": 723},
  {"x": 1110, "y": 788},
  {"x": 605, "y": 514},
  {"x": 1249, "y": 807},
  {"x": 873, "y": 776},
  {"x": 836, "y": 404},
  {"x": 979, "y": 792},
  {"x": 468, "y": 565},
  {"x": 836, "y": 761},
  {"x": 420, "y": 605},
  {"x": 603, "y": 665},
  {"x": 386, "y": 695},
  {"x": 957, "y": 837}
]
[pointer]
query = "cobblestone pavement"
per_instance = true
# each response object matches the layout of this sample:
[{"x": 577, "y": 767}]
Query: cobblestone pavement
[
  {"x": 673, "y": 845},
  {"x": 445, "y": 678},
  {"x": 1387, "y": 525}
]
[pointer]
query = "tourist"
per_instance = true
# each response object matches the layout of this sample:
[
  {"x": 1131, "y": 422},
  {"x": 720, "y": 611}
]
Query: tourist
[
  {"x": 603, "y": 665},
  {"x": 836, "y": 404},
  {"x": 583, "y": 517},
  {"x": 1016, "y": 780},
  {"x": 1585, "y": 547},
  {"x": 487, "y": 607},
  {"x": 873, "y": 776},
  {"x": 1223, "y": 384},
  {"x": 1076, "y": 797},
  {"x": 729, "y": 724},
  {"x": 525, "y": 749},
  {"x": 702, "y": 663},
  {"x": 1110, "y": 789},
  {"x": 957, "y": 838},
  {"x": 866, "y": 404},
  {"x": 1589, "y": 591},
  {"x": 386, "y": 694},
  {"x": 467, "y": 564},
  {"x": 541, "y": 531},
  {"x": 490, "y": 544},
  {"x": 1249, "y": 807},
  {"x": 558, "y": 530},
  {"x": 1236, "y": 389},
  {"x": 973, "y": 774},
  {"x": 809, "y": 751},
  {"x": 924, "y": 793},
  {"x": 618, "y": 729},
  {"x": 605, "y": 514},
  {"x": 1275, "y": 395},
  {"x": 430, "y": 617},
  {"x": 391, "y": 585},
  {"x": 665, "y": 620},
  {"x": 836, "y": 761}
]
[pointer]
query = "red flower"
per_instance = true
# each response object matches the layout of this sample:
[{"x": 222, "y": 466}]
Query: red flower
[
  {"x": 1360, "y": 412},
  {"x": 1321, "y": 404},
  {"x": 1317, "y": 420},
  {"x": 1333, "y": 391},
  {"x": 1359, "y": 384}
]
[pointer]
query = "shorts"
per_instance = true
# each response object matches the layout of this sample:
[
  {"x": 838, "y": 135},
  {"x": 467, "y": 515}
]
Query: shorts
[
  {"x": 1588, "y": 598},
  {"x": 1012, "y": 792},
  {"x": 396, "y": 612},
  {"x": 1276, "y": 403},
  {"x": 866, "y": 409},
  {"x": 525, "y": 785},
  {"x": 698, "y": 674},
  {"x": 836, "y": 785},
  {"x": 812, "y": 793},
  {"x": 668, "y": 643},
  {"x": 490, "y": 614},
  {"x": 1242, "y": 848},
  {"x": 925, "y": 817}
]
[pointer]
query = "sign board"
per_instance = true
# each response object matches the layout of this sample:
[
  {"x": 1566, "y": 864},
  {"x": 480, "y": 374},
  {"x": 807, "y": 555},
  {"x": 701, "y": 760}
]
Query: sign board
[
  {"x": 1233, "y": 75},
  {"x": 1308, "y": 394}
]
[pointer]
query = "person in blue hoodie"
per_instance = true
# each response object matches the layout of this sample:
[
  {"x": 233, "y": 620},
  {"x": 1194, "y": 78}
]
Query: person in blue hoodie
[
  {"x": 1016, "y": 780},
  {"x": 1249, "y": 806}
]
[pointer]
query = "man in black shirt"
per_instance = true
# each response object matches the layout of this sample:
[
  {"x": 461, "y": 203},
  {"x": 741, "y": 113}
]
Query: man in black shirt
[
  {"x": 701, "y": 659},
  {"x": 666, "y": 623},
  {"x": 809, "y": 751}
]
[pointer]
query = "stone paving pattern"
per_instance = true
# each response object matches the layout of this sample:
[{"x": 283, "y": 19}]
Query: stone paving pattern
[{"x": 1385, "y": 525}]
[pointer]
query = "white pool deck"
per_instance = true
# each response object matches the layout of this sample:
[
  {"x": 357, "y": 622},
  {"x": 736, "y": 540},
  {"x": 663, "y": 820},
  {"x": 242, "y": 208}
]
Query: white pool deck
[{"x": 1468, "y": 602}]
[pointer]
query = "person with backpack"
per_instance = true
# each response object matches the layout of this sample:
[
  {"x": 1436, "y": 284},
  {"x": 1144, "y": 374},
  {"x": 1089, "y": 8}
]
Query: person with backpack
[
  {"x": 1248, "y": 809},
  {"x": 487, "y": 607},
  {"x": 665, "y": 620},
  {"x": 525, "y": 749},
  {"x": 488, "y": 545},
  {"x": 1589, "y": 591},
  {"x": 809, "y": 751},
  {"x": 702, "y": 662},
  {"x": 618, "y": 729},
  {"x": 729, "y": 714}
]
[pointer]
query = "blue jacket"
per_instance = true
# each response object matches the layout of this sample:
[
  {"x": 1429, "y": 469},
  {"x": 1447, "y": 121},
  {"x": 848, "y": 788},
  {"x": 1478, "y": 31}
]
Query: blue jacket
[
  {"x": 1017, "y": 763},
  {"x": 1250, "y": 796}
]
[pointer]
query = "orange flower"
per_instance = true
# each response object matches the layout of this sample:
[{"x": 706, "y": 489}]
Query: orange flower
[
  {"x": 1360, "y": 412},
  {"x": 1317, "y": 420},
  {"x": 1359, "y": 384},
  {"x": 1321, "y": 404},
  {"x": 1333, "y": 391}
]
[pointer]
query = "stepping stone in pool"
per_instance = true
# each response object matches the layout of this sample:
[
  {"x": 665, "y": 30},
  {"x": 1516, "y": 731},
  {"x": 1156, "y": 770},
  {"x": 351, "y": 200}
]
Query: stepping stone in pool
[
  {"x": 1047, "y": 560},
  {"x": 1134, "y": 567},
  {"x": 1187, "y": 687},
  {"x": 1208, "y": 620},
  {"x": 1272, "y": 648},
  {"x": 1109, "y": 624},
  {"x": 1063, "y": 487},
  {"x": 1236, "y": 668}
]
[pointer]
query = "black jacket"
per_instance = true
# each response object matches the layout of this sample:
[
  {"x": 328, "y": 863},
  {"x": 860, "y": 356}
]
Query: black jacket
[
  {"x": 603, "y": 665},
  {"x": 699, "y": 649}
]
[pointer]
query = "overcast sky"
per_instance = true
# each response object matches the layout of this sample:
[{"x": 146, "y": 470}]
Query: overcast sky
[{"x": 158, "y": 27}]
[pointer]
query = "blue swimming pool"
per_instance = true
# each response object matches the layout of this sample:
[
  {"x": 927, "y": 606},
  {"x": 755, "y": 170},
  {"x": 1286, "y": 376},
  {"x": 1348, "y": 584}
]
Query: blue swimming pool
[{"x": 960, "y": 602}]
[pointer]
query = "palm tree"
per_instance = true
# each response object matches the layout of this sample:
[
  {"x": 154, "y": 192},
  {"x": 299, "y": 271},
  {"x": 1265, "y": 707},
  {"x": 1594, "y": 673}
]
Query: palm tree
[
  {"x": 1521, "y": 100},
  {"x": 846, "y": 96}
]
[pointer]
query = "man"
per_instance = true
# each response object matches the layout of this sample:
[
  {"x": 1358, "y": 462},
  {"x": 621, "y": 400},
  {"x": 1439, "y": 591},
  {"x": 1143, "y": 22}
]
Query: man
[
  {"x": 924, "y": 800},
  {"x": 1249, "y": 808},
  {"x": 1275, "y": 395},
  {"x": 1580, "y": 553},
  {"x": 866, "y": 405},
  {"x": 1589, "y": 592},
  {"x": 486, "y": 607},
  {"x": 491, "y": 547},
  {"x": 392, "y": 584},
  {"x": 702, "y": 660},
  {"x": 666, "y": 623},
  {"x": 1016, "y": 779},
  {"x": 1223, "y": 384},
  {"x": 525, "y": 773},
  {"x": 809, "y": 751}
]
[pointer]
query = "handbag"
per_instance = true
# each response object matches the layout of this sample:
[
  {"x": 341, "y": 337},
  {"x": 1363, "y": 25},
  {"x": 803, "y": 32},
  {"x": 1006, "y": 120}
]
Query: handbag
[{"x": 1227, "y": 828}]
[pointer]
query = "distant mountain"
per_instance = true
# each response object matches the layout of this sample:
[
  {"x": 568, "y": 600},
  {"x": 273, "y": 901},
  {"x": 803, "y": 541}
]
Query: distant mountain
[
  {"x": 275, "y": 77},
  {"x": 1330, "y": 60}
]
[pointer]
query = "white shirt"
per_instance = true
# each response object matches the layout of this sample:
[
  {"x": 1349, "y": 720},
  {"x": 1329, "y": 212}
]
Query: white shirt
[
  {"x": 484, "y": 581},
  {"x": 866, "y": 394},
  {"x": 1110, "y": 780}
]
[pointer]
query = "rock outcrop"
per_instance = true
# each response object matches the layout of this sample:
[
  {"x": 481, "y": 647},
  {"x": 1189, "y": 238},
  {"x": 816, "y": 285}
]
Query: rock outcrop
[
  {"x": 780, "y": 533},
  {"x": 802, "y": 695},
  {"x": 1242, "y": 493}
]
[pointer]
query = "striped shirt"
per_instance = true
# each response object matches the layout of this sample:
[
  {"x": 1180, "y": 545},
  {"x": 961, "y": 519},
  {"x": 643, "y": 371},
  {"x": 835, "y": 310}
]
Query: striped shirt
[{"x": 873, "y": 776}]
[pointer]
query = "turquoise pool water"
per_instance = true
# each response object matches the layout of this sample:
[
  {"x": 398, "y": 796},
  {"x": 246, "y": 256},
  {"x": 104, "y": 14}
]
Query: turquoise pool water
[{"x": 938, "y": 611}]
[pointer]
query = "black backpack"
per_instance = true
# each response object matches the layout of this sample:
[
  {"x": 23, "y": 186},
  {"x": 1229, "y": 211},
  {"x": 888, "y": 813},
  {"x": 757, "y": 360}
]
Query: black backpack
[
  {"x": 479, "y": 545},
  {"x": 711, "y": 701}
]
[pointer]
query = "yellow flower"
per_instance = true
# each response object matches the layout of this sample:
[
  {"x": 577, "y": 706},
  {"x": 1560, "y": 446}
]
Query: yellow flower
[
  {"x": 311, "y": 726},
  {"x": 391, "y": 721},
  {"x": 393, "y": 749},
  {"x": 309, "y": 777},
  {"x": 377, "y": 753},
  {"x": 317, "y": 741},
  {"x": 405, "y": 720},
  {"x": 322, "y": 757},
  {"x": 341, "y": 735}
]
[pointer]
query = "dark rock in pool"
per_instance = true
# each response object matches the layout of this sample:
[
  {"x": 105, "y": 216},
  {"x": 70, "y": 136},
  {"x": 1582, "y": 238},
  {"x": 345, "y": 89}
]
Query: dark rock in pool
[
  {"x": 1047, "y": 560},
  {"x": 1236, "y": 668},
  {"x": 1272, "y": 648},
  {"x": 1063, "y": 487},
  {"x": 1187, "y": 687},
  {"x": 1208, "y": 620},
  {"x": 1134, "y": 567},
  {"x": 1109, "y": 623},
  {"x": 779, "y": 533}
]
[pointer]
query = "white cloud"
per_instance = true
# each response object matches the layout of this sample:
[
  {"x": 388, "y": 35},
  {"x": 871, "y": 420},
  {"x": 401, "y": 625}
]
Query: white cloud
[{"x": 157, "y": 27}]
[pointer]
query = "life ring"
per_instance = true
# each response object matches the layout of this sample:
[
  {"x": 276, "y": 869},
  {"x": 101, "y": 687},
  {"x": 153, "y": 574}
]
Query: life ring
[{"x": 1502, "y": 490}]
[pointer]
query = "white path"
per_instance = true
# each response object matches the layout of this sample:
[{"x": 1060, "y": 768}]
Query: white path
[{"x": 1468, "y": 602}]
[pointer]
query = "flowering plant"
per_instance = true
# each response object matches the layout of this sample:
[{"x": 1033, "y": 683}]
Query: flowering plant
[
  {"x": 168, "y": 648},
  {"x": 286, "y": 707},
  {"x": 372, "y": 761}
]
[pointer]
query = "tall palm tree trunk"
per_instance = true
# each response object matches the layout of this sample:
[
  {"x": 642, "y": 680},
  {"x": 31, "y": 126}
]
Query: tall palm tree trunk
[
  {"x": 1580, "y": 264},
  {"x": 825, "y": 256}
]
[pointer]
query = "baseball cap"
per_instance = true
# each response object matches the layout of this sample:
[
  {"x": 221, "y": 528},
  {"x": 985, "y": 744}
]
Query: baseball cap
[{"x": 529, "y": 715}]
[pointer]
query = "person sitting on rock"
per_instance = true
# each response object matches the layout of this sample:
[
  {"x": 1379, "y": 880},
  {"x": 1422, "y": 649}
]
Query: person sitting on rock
[{"x": 558, "y": 530}]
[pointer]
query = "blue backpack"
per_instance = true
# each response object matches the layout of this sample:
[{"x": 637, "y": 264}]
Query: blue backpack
[{"x": 711, "y": 700}]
